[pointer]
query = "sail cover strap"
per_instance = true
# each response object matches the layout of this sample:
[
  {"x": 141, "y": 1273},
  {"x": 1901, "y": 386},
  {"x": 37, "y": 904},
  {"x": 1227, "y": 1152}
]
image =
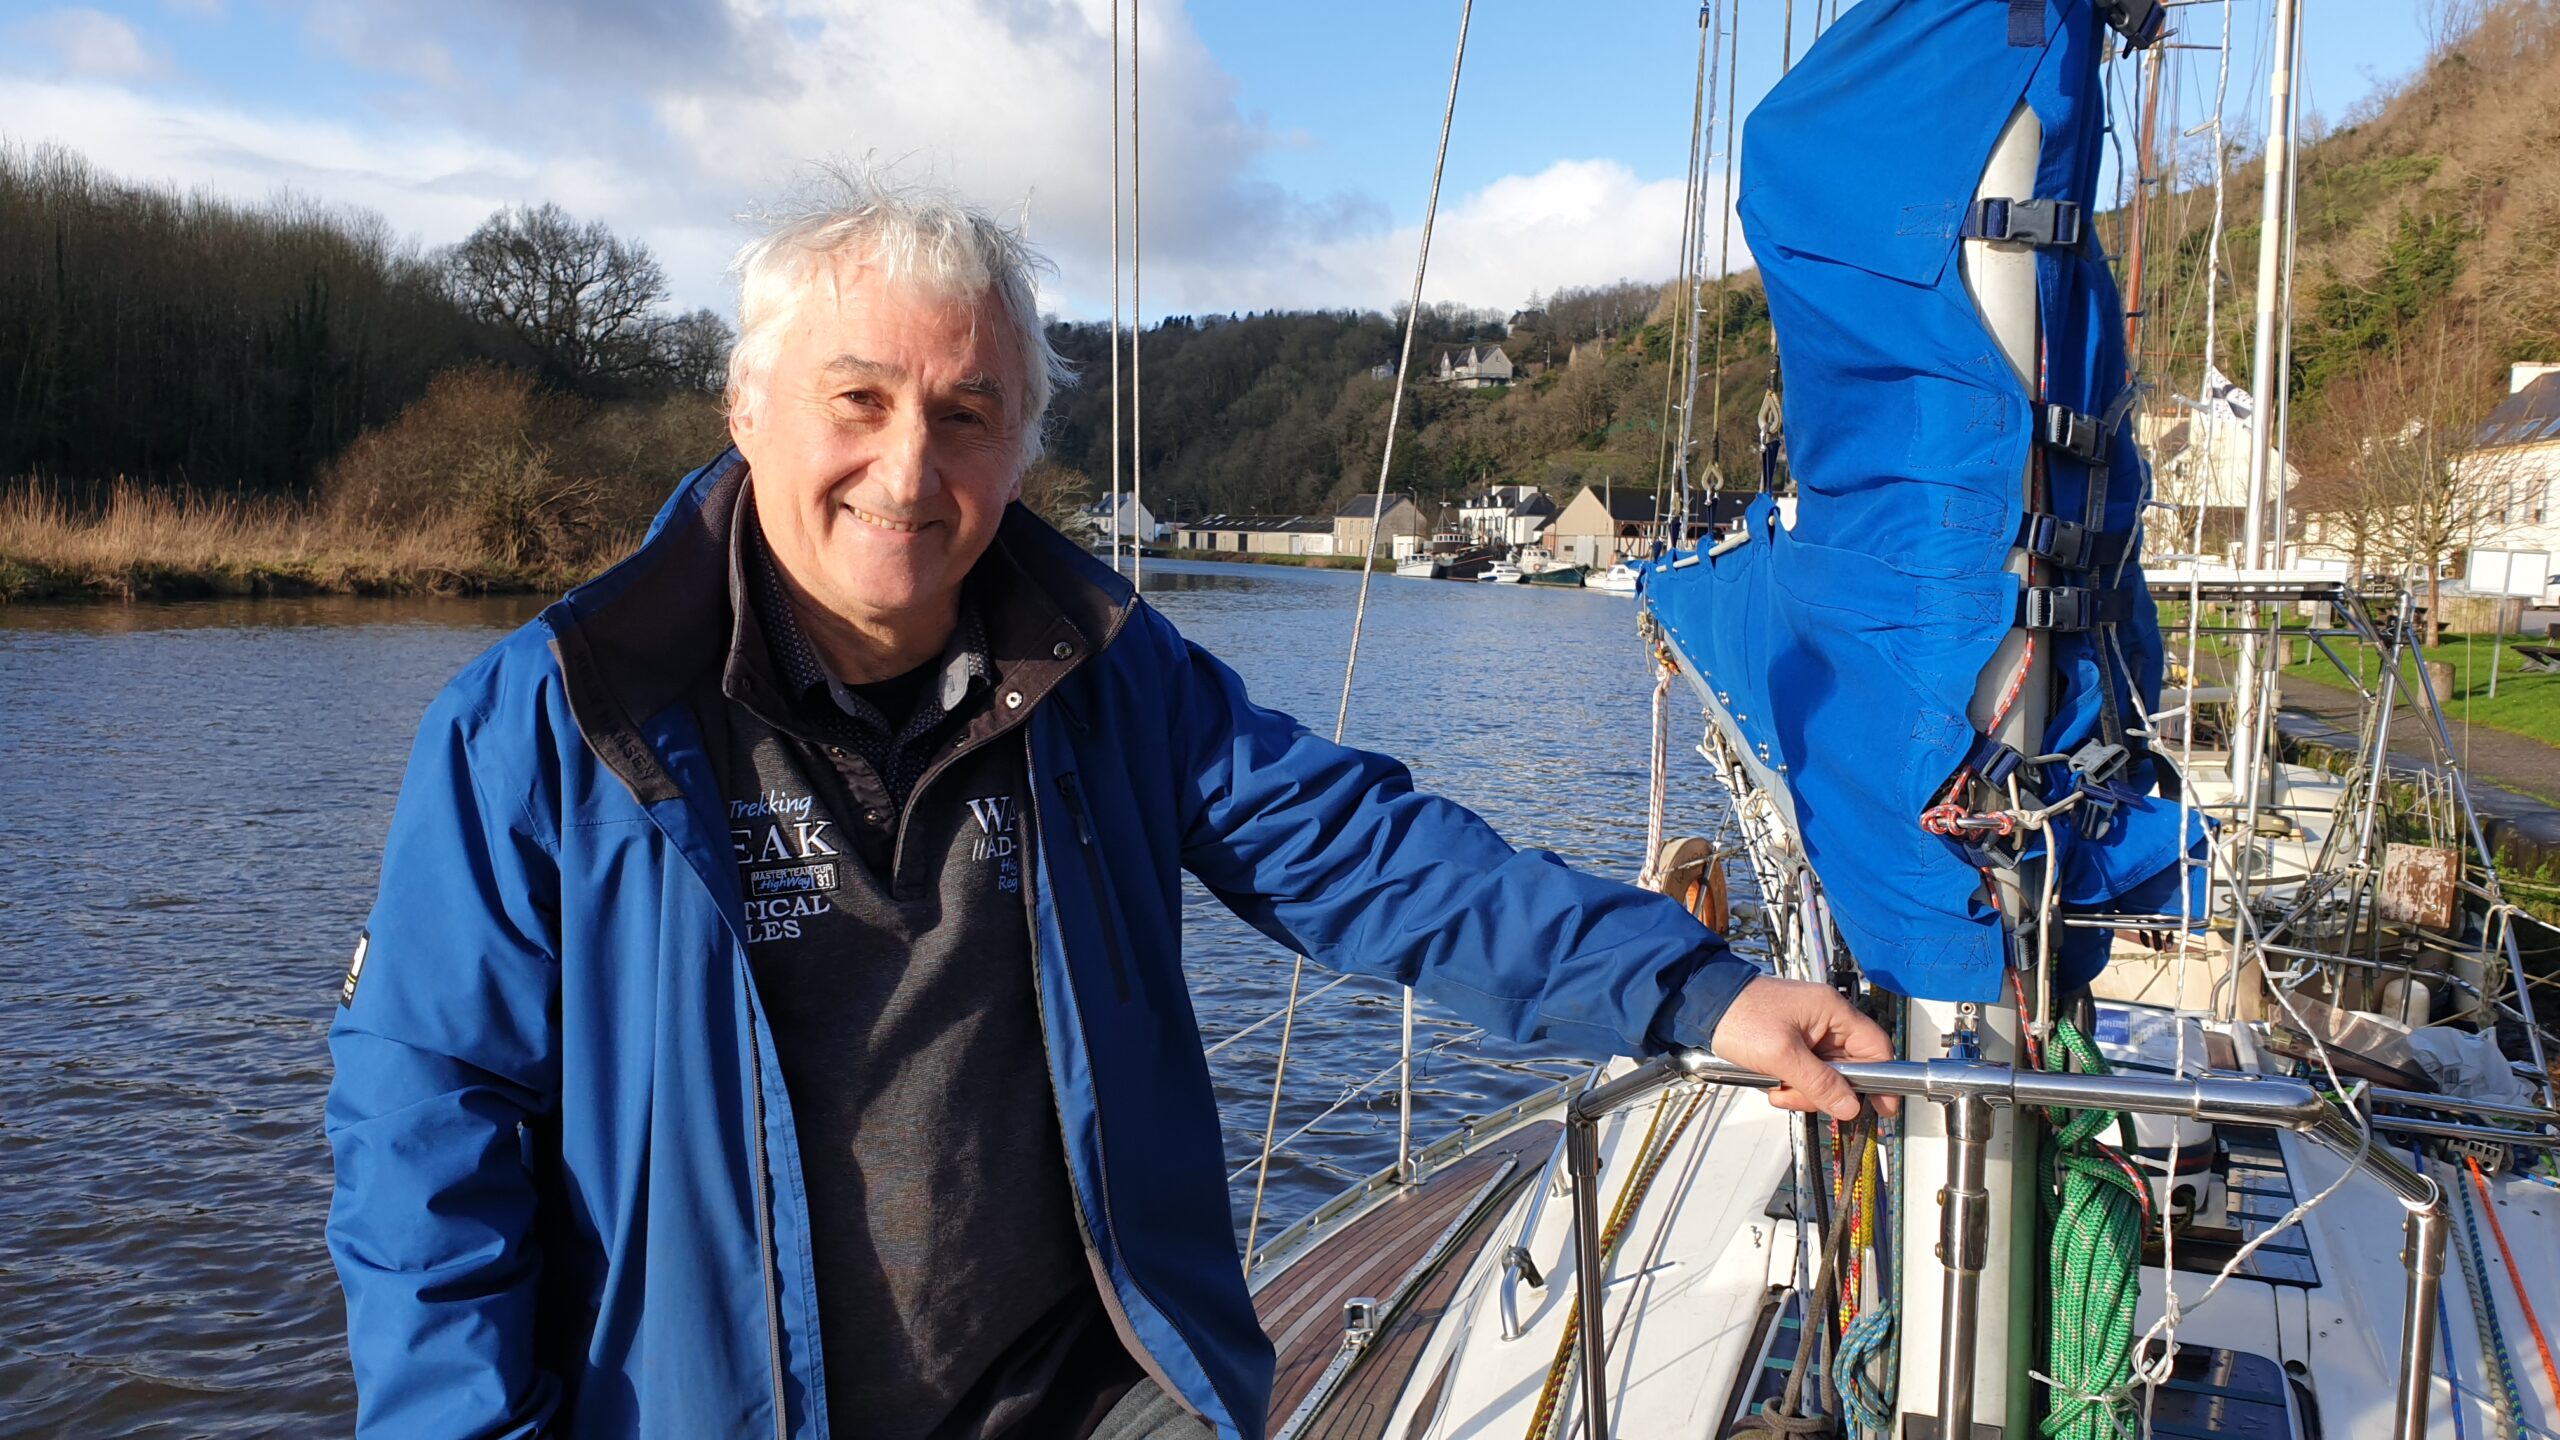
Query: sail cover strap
[
  {"x": 1849, "y": 646},
  {"x": 2026, "y": 24},
  {"x": 2023, "y": 222}
]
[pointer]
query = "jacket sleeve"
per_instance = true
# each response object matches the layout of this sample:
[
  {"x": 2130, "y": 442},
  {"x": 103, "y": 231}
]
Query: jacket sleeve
[
  {"x": 1332, "y": 851},
  {"x": 445, "y": 1051}
]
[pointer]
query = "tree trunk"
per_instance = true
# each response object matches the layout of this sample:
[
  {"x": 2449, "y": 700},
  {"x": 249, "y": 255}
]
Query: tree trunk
[{"x": 2435, "y": 607}]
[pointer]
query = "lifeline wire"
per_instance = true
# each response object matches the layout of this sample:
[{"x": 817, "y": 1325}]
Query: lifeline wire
[{"x": 1351, "y": 664}]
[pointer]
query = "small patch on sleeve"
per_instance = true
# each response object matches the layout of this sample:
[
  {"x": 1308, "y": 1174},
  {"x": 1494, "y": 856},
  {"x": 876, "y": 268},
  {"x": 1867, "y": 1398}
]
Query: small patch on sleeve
[{"x": 355, "y": 969}]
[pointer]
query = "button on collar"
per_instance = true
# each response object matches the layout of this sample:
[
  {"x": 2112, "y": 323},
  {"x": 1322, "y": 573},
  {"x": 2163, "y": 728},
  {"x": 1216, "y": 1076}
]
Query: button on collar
[
  {"x": 1013, "y": 699},
  {"x": 1062, "y": 650}
]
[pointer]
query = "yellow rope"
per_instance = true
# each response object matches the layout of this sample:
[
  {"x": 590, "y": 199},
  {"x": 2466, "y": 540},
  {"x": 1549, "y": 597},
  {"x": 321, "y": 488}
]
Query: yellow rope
[{"x": 1649, "y": 1164}]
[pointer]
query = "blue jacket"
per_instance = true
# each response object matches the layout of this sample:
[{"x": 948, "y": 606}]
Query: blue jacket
[{"x": 568, "y": 1196}]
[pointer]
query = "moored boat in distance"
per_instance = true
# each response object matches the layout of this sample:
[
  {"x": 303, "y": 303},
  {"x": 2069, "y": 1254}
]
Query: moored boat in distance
[
  {"x": 1568, "y": 577},
  {"x": 1419, "y": 567},
  {"x": 1502, "y": 572},
  {"x": 1618, "y": 579}
]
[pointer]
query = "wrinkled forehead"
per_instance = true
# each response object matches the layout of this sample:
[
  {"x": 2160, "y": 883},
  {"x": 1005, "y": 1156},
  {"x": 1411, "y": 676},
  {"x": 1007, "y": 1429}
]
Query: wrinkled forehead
[{"x": 860, "y": 301}]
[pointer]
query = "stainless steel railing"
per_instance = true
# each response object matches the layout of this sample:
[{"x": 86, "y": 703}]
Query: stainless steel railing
[{"x": 1970, "y": 1090}]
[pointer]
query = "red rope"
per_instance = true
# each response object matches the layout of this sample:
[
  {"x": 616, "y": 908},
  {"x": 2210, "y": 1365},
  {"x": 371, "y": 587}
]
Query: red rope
[{"x": 2515, "y": 1277}]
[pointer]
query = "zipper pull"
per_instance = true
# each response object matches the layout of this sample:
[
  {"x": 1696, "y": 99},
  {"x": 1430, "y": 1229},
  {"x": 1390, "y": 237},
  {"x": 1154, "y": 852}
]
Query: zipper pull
[{"x": 1074, "y": 795}]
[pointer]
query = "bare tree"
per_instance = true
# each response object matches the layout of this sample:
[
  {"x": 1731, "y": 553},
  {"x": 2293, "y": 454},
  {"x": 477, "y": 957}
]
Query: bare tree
[
  {"x": 1059, "y": 495},
  {"x": 580, "y": 298},
  {"x": 2404, "y": 481},
  {"x": 693, "y": 351}
]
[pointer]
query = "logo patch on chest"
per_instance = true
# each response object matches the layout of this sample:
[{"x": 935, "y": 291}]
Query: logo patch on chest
[
  {"x": 995, "y": 840},
  {"x": 782, "y": 844}
]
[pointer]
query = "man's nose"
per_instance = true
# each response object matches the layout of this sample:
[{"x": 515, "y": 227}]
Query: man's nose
[{"x": 904, "y": 469}]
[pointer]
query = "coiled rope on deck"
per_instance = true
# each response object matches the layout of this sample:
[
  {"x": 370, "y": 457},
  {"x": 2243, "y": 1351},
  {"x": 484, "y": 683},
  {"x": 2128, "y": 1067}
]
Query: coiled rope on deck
[{"x": 2096, "y": 1263}]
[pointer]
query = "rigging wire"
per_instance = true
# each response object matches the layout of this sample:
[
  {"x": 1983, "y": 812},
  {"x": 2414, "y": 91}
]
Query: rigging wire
[
  {"x": 1695, "y": 289},
  {"x": 1137, "y": 312},
  {"x": 1724, "y": 248},
  {"x": 1119, "y": 517},
  {"x": 1683, "y": 309},
  {"x": 1351, "y": 663}
]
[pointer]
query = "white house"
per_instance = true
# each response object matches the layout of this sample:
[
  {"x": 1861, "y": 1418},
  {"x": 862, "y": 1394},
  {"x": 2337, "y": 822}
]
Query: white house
[
  {"x": 1506, "y": 515},
  {"x": 1473, "y": 367},
  {"x": 2516, "y": 461},
  {"x": 1134, "y": 520}
]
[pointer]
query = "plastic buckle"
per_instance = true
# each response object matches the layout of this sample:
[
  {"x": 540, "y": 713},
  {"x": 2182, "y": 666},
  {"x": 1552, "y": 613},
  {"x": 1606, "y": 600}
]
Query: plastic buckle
[
  {"x": 2074, "y": 433},
  {"x": 1994, "y": 761},
  {"x": 2099, "y": 762},
  {"x": 2058, "y": 607},
  {"x": 2138, "y": 21},
  {"x": 2097, "y": 812},
  {"x": 2052, "y": 223},
  {"x": 2050, "y": 537}
]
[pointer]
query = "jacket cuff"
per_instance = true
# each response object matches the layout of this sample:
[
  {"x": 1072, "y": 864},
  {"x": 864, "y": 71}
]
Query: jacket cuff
[{"x": 1689, "y": 1016}]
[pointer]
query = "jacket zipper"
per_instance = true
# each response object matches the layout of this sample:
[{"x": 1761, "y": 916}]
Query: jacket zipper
[
  {"x": 1040, "y": 996},
  {"x": 1074, "y": 793},
  {"x": 764, "y": 1232}
]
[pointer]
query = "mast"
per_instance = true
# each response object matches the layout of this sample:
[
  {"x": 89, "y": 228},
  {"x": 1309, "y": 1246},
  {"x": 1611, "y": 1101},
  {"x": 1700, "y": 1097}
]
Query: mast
[
  {"x": 2144, "y": 179},
  {"x": 2255, "y": 690},
  {"x": 2271, "y": 214}
]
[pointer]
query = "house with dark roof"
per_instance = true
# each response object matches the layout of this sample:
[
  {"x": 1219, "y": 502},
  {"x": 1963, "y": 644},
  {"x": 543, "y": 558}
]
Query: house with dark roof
[
  {"x": 1257, "y": 535},
  {"x": 1474, "y": 367},
  {"x": 2513, "y": 467},
  {"x": 1398, "y": 524},
  {"x": 1506, "y": 515}
]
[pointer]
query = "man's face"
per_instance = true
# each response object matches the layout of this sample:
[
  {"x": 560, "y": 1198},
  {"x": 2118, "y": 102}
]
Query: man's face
[{"x": 885, "y": 446}]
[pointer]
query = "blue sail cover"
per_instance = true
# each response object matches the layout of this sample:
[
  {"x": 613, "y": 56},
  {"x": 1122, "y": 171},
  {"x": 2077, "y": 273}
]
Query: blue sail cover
[{"x": 1848, "y": 648}]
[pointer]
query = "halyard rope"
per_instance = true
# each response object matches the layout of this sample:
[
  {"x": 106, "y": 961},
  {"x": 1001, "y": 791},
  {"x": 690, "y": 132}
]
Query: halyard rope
[{"x": 1351, "y": 664}]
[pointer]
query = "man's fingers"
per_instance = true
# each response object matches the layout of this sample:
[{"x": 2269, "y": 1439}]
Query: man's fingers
[{"x": 1797, "y": 1068}]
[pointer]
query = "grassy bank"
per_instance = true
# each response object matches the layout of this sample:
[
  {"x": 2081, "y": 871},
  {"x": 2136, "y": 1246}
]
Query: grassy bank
[
  {"x": 2527, "y": 702},
  {"x": 142, "y": 545}
]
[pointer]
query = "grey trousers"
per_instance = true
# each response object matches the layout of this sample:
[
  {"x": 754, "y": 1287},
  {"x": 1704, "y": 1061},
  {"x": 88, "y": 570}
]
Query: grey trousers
[{"x": 1147, "y": 1413}]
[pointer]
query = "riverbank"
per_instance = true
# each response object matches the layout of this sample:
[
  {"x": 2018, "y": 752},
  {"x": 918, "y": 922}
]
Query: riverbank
[
  {"x": 1304, "y": 562},
  {"x": 143, "y": 545}
]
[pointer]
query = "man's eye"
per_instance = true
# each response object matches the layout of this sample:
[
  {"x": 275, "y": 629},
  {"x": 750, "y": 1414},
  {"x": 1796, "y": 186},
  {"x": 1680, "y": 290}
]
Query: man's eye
[
  {"x": 866, "y": 399},
  {"x": 967, "y": 417}
]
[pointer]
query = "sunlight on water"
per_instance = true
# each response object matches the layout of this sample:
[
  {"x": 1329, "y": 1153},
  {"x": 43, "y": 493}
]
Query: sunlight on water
[{"x": 196, "y": 797}]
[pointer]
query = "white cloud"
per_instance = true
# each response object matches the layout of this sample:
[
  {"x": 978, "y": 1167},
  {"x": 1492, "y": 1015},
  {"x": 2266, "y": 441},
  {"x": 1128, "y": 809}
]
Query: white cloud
[
  {"x": 86, "y": 42},
  {"x": 667, "y": 120},
  {"x": 429, "y": 184}
]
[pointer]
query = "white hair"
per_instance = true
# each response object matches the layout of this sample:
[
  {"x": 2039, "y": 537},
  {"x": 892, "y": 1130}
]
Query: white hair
[{"x": 915, "y": 235}]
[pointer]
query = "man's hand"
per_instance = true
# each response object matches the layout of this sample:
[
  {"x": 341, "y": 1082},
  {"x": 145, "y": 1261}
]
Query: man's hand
[{"x": 1787, "y": 1030}]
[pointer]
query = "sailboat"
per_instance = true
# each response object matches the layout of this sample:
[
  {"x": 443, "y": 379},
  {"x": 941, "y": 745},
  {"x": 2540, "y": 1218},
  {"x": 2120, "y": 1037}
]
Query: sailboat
[{"x": 2221, "y": 1080}]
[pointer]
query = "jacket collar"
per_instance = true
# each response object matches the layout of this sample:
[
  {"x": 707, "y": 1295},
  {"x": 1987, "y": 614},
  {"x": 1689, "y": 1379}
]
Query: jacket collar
[{"x": 639, "y": 637}]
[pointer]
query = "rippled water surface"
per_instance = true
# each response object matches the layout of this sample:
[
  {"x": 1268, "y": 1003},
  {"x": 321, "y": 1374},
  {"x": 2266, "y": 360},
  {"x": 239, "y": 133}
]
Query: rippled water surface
[{"x": 192, "y": 805}]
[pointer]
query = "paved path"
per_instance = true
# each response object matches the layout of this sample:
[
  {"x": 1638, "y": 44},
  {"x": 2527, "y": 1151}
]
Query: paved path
[{"x": 2515, "y": 762}]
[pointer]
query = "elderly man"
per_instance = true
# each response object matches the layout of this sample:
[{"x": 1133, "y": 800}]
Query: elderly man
[{"x": 773, "y": 1021}]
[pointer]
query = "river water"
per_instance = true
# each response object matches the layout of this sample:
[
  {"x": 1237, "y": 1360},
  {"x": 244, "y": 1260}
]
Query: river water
[{"x": 192, "y": 805}]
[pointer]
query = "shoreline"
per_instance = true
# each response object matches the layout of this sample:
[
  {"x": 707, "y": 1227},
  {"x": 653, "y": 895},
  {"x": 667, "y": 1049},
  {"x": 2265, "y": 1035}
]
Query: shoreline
[{"x": 144, "y": 581}]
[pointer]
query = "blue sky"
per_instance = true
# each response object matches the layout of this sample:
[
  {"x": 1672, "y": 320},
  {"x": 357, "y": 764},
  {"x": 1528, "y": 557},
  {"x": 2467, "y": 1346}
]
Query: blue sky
[{"x": 1288, "y": 147}]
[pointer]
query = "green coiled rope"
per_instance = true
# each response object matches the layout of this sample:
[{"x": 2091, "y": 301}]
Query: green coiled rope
[{"x": 2096, "y": 1260}]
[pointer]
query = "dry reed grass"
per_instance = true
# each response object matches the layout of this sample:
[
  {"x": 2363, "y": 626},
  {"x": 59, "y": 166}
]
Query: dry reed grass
[{"x": 143, "y": 544}]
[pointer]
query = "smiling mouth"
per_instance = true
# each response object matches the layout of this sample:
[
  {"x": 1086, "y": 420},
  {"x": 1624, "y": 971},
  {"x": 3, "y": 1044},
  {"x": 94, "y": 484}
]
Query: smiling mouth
[{"x": 883, "y": 522}]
